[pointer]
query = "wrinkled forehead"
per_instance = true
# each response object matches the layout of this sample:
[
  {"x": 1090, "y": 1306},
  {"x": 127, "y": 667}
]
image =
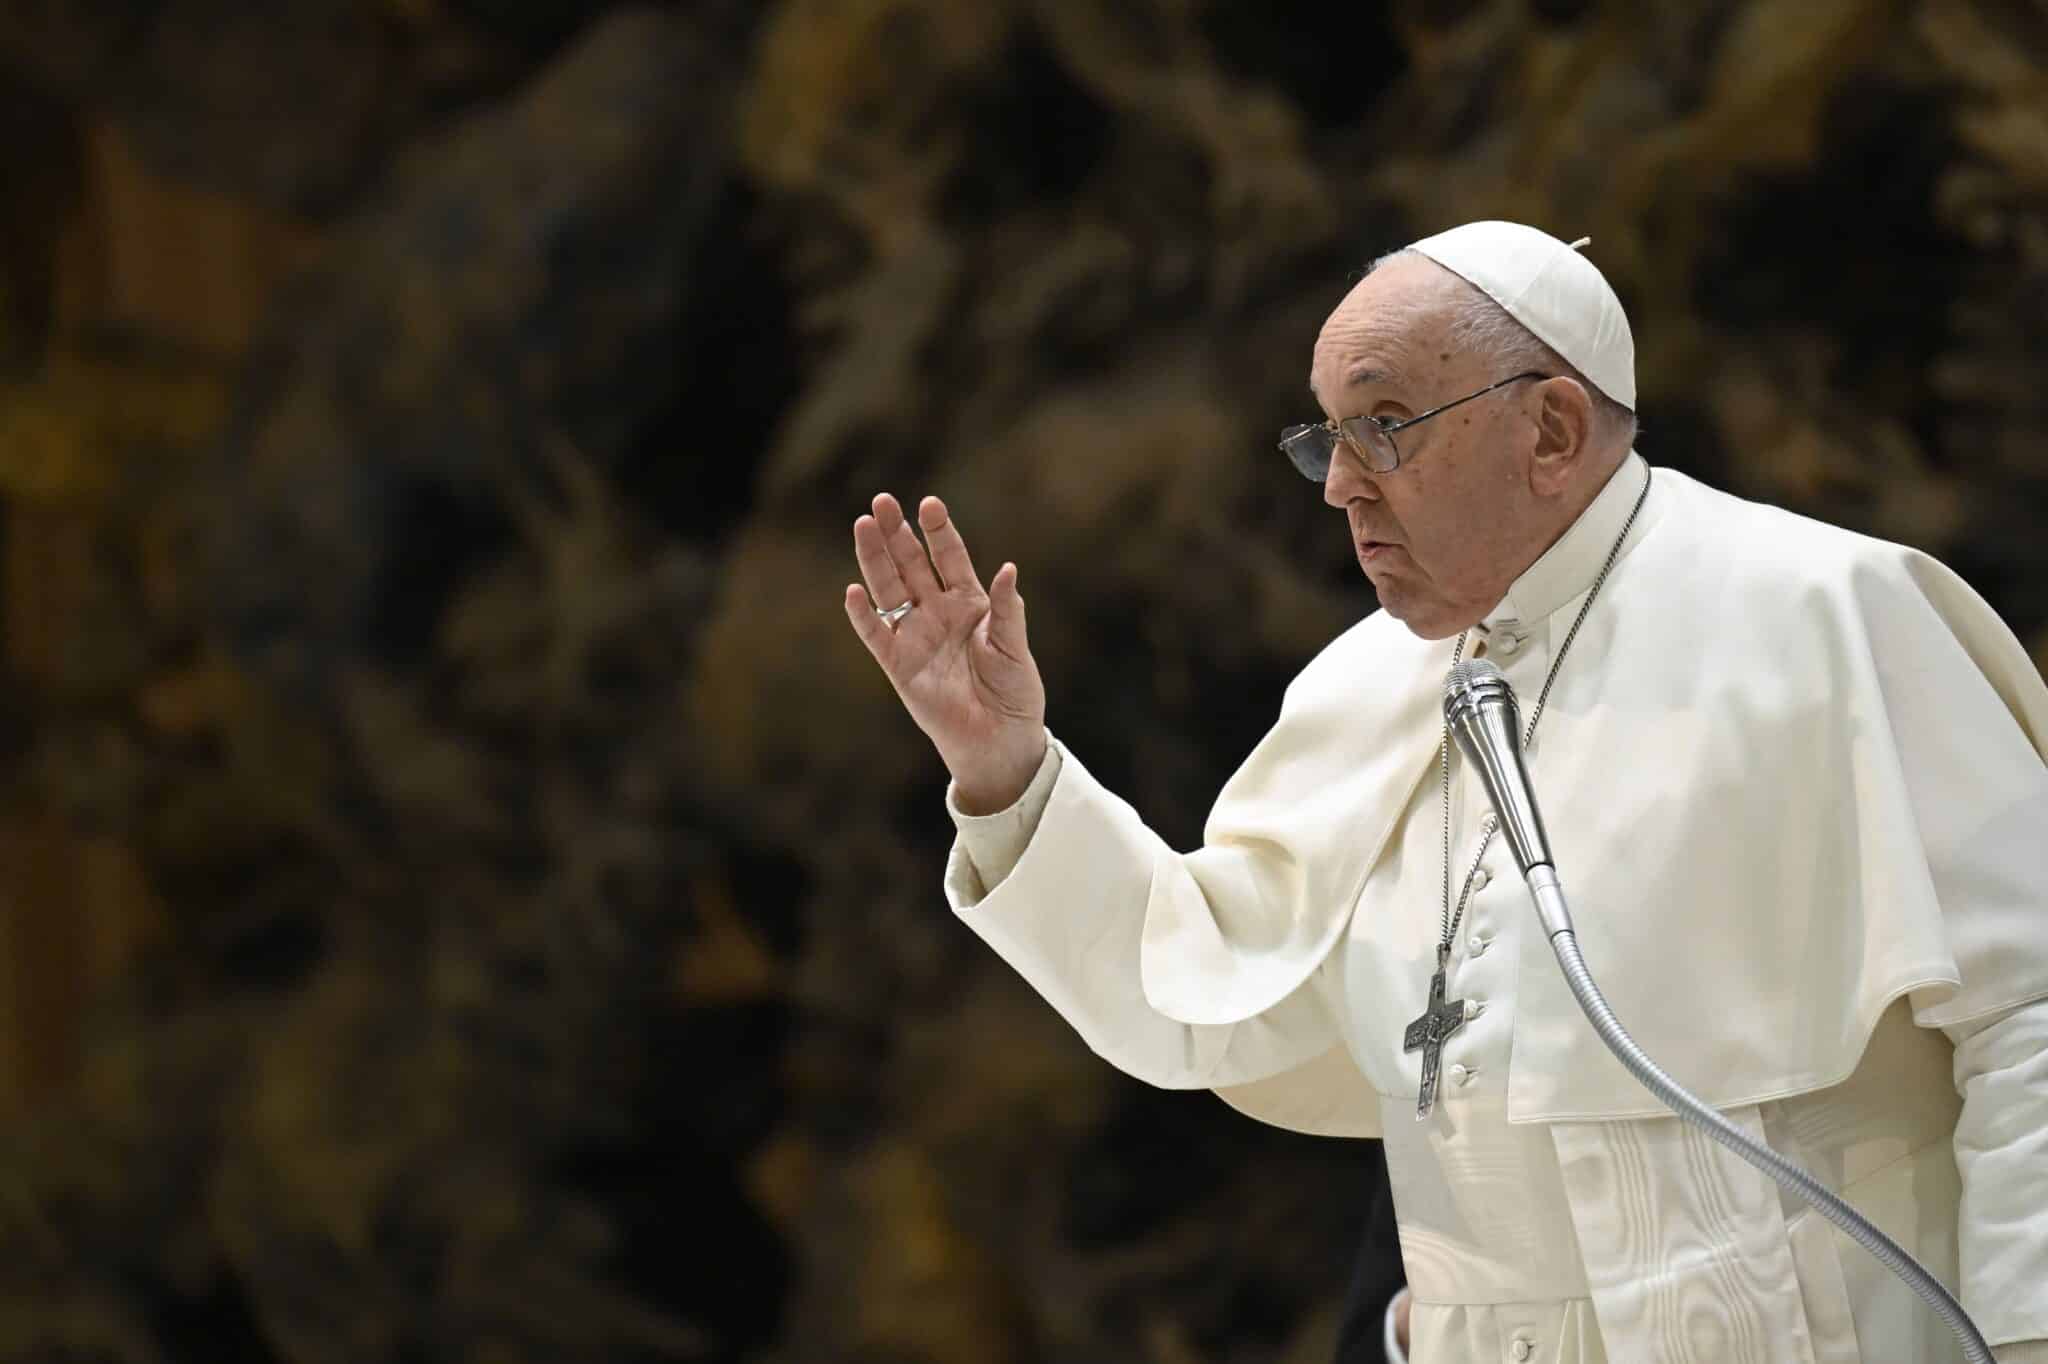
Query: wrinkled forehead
[{"x": 1388, "y": 334}]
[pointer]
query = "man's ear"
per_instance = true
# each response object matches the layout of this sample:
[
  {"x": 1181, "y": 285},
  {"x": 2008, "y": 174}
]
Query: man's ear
[{"x": 1564, "y": 432}]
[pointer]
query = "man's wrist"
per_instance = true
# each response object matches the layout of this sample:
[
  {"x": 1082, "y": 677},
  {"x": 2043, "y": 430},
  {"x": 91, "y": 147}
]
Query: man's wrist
[{"x": 978, "y": 794}]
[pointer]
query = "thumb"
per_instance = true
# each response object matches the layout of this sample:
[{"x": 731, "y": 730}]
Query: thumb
[{"x": 1006, "y": 614}]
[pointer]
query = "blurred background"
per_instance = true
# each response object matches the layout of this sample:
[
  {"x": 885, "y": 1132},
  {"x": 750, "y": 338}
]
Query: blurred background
[{"x": 466, "y": 895}]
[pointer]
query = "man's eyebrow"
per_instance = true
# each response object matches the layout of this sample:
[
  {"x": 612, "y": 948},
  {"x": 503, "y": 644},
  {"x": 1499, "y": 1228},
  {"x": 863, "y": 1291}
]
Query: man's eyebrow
[{"x": 1364, "y": 374}]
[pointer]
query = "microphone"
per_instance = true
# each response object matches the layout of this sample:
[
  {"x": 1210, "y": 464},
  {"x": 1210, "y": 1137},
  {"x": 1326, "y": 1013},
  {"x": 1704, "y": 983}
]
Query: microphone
[{"x": 1480, "y": 711}]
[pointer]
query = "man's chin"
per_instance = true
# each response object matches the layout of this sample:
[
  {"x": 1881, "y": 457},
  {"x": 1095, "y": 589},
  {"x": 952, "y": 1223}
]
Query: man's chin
[
  {"x": 1425, "y": 620},
  {"x": 1433, "y": 632}
]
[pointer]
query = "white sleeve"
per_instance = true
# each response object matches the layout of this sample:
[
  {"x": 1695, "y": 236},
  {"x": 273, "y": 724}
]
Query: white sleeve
[
  {"x": 2021, "y": 1352},
  {"x": 2001, "y": 1143},
  {"x": 1068, "y": 915},
  {"x": 993, "y": 843}
]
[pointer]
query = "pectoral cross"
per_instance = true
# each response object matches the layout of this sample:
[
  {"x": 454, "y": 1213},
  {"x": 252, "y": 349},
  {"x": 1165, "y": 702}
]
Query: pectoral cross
[{"x": 1432, "y": 1029}]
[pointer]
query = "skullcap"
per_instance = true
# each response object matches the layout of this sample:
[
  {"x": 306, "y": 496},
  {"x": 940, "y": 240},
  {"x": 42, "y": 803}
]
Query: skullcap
[{"x": 1551, "y": 289}]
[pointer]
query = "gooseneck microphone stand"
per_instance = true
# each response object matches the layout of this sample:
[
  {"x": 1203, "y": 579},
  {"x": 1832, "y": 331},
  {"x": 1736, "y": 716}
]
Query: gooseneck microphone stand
[{"x": 1480, "y": 708}]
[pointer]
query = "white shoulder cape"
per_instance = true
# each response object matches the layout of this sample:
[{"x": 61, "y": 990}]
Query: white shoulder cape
[{"x": 1790, "y": 774}]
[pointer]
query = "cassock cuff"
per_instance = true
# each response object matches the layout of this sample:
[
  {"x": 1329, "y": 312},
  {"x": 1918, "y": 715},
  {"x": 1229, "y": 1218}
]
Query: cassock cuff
[
  {"x": 994, "y": 844},
  {"x": 1397, "y": 1355},
  {"x": 2021, "y": 1352}
]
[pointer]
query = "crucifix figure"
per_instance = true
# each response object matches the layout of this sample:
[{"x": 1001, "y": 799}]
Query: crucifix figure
[{"x": 1431, "y": 1030}]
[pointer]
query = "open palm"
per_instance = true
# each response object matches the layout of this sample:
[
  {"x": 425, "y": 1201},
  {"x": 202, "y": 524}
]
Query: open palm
[{"x": 959, "y": 660}]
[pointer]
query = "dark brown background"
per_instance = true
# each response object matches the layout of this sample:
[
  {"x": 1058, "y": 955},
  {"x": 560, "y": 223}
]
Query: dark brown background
[{"x": 465, "y": 894}]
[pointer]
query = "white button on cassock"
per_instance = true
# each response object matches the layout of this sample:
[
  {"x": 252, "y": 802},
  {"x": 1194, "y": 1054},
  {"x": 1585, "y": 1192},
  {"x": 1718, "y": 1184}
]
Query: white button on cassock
[
  {"x": 1521, "y": 1349},
  {"x": 1459, "y": 1074},
  {"x": 1478, "y": 945}
]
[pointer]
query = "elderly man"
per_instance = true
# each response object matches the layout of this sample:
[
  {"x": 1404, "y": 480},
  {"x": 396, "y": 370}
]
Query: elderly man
[{"x": 1793, "y": 777}]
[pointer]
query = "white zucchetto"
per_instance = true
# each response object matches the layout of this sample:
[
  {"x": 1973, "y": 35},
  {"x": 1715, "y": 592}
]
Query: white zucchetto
[{"x": 1551, "y": 289}]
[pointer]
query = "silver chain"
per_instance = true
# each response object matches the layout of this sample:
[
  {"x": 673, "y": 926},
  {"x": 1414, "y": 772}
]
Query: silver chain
[{"x": 1490, "y": 824}]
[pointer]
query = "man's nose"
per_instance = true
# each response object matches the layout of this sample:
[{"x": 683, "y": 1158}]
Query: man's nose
[{"x": 1347, "y": 479}]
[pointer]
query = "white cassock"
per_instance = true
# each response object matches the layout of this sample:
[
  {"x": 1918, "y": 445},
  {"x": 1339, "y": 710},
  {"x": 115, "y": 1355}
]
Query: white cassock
[{"x": 1793, "y": 780}]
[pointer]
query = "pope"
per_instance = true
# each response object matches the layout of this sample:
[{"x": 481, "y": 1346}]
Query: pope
[{"x": 1793, "y": 777}]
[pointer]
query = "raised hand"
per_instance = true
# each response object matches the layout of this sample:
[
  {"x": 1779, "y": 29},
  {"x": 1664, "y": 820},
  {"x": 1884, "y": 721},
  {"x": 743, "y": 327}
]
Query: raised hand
[{"x": 958, "y": 659}]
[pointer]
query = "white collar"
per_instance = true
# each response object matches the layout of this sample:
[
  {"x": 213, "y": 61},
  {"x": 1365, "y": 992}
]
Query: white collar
[{"x": 1569, "y": 566}]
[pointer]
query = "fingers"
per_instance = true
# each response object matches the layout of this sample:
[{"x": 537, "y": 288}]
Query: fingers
[
  {"x": 912, "y": 567},
  {"x": 873, "y": 632},
  {"x": 949, "y": 551},
  {"x": 1006, "y": 614},
  {"x": 877, "y": 566}
]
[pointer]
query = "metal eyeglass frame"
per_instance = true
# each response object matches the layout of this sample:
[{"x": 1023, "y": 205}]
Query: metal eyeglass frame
[{"x": 1298, "y": 443}]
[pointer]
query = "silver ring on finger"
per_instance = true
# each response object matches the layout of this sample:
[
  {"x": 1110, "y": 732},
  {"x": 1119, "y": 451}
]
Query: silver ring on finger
[{"x": 894, "y": 613}]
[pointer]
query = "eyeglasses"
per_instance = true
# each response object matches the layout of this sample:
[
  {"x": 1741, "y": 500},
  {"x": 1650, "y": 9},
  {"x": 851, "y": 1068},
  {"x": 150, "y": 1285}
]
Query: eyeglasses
[{"x": 1309, "y": 448}]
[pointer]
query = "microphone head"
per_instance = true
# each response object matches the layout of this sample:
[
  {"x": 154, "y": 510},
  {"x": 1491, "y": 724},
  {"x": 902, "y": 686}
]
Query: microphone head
[
  {"x": 1480, "y": 713},
  {"x": 1473, "y": 683}
]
